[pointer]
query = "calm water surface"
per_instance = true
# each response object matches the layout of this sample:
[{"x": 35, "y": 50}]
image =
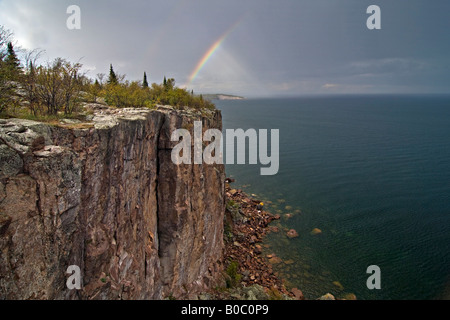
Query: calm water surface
[{"x": 373, "y": 174}]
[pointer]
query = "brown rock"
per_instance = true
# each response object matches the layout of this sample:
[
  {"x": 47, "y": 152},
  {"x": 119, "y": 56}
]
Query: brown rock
[
  {"x": 298, "y": 294},
  {"x": 292, "y": 233},
  {"x": 349, "y": 296},
  {"x": 274, "y": 229},
  {"x": 327, "y": 296},
  {"x": 253, "y": 239},
  {"x": 275, "y": 260}
]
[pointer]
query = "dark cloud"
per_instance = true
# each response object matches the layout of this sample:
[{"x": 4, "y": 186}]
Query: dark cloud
[{"x": 277, "y": 47}]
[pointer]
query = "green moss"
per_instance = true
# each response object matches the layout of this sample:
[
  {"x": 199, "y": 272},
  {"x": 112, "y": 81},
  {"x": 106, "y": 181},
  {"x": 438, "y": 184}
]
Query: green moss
[
  {"x": 233, "y": 277},
  {"x": 232, "y": 206}
]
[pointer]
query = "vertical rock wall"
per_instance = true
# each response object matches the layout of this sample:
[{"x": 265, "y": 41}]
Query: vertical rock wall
[{"x": 105, "y": 196}]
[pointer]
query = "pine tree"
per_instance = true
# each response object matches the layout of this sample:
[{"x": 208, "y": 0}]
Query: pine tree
[
  {"x": 165, "y": 82},
  {"x": 145, "y": 83},
  {"x": 12, "y": 63},
  {"x": 112, "y": 76}
]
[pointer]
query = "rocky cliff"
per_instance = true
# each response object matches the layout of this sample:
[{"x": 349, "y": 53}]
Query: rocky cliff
[{"x": 104, "y": 195}]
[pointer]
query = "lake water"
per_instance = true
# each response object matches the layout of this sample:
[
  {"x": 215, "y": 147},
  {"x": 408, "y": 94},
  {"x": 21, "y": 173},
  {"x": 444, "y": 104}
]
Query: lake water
[{"x": 373, "y": 174}]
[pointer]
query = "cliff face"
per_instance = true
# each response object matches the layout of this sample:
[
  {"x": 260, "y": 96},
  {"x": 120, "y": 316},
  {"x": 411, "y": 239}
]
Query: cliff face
[{"x": 105, "y": 196}]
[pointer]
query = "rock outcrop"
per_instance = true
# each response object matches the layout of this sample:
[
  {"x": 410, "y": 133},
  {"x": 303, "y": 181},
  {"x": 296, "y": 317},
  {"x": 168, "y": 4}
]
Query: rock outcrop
[{"x": 104, "y": 195}]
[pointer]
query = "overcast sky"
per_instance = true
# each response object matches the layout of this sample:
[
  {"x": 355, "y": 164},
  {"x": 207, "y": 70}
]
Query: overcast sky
[{"x": 283, "y": 47}]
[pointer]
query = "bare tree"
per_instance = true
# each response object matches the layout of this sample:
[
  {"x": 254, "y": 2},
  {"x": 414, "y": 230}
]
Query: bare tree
[
  {"x": 72, "y": 83},
  {"x": 29, "y": 80},
  {"x": 5, "y": 37},
  {"x": 101, "y": 77},
  {"x": 31, "y": 57},
  {"x": 58, "y": 85}
]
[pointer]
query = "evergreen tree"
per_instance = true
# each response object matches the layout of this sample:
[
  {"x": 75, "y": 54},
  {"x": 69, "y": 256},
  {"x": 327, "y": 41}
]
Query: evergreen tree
[
  {"x": 145, "y": 83},
  {"x": 112, "y": 76},
  {"x": 165, "y": 82},
  {"x": 12, "y": 63}
]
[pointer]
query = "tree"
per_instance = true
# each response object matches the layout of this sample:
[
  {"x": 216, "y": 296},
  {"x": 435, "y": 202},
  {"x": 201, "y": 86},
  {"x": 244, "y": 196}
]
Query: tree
[
  {"x": 58, "y": 85},
  {"x": 71, "y": 86},
  {"x": 145, "y": 82},
  {"x": 170, "y": 84},
  {"x": 12, "y": 63},
  {"x": 31, "y": 57},
  {"x": 100, "y": 77},
  {"x": 28, "y": 81},
  {"x": 5, "y": 38},
  {"x": 112, "y": 76},
  {"x": 94, "y": 90},
  {"x": 29, "y": 87},
  {"x": 7, "y": 87}
]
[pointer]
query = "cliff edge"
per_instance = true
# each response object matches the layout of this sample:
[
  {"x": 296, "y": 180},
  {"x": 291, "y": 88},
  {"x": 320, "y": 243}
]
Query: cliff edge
[{"x": 104, "y": 195}]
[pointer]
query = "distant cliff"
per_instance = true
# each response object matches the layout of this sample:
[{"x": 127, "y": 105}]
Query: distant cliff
[{"x": 104, "y": 195}]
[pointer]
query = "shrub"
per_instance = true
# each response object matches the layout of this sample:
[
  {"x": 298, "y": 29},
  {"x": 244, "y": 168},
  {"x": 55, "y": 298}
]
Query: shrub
[{"x": 57, "y": 86}]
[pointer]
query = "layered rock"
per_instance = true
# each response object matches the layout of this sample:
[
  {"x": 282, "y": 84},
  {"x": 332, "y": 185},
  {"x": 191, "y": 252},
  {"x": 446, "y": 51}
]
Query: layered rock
[{"x": 104, "y": 195}]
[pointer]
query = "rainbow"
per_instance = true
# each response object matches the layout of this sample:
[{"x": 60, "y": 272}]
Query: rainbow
[{"x": 210, "y": 52}]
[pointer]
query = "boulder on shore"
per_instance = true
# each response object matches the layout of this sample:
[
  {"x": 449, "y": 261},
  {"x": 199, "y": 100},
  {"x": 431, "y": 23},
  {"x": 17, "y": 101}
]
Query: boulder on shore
[{"x": 298, "y": 294}]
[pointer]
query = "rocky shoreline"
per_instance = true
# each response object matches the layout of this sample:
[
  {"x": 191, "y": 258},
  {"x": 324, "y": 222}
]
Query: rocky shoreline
[
  {"x": 244, "y": 262},
  {"x": 249, "y": 274}
]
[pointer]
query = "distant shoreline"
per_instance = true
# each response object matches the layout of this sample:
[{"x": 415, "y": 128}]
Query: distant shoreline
[{"x": 220, "y": 96}]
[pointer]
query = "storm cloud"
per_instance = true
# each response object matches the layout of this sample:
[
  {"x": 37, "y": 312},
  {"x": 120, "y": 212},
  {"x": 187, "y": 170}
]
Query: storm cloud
[{"x": 286, "y": 47}]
